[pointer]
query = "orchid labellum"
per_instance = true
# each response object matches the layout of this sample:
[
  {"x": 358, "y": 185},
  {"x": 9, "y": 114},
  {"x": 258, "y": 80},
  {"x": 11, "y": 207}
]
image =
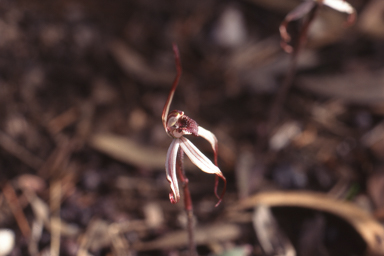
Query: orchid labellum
[{"x": 177, "y": 124}]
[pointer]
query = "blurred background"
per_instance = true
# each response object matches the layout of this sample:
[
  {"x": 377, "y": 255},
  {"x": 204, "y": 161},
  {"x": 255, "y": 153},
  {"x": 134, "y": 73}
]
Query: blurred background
[{"x": 82, "y": 146}]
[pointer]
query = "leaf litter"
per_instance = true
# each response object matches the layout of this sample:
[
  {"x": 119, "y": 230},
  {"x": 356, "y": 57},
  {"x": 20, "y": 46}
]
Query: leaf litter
[{"x": 82, "y": 87}]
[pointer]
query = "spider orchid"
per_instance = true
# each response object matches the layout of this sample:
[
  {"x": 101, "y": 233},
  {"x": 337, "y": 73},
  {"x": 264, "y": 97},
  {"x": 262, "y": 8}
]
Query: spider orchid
[
  {"x": 311, "y": 6},
  {"x": 176, "y": 124}
]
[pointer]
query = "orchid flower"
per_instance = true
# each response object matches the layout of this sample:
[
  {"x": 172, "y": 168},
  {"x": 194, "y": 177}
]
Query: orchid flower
[
  {"x": 177, "y": 124},
  {"x": 309, "y": 6}
]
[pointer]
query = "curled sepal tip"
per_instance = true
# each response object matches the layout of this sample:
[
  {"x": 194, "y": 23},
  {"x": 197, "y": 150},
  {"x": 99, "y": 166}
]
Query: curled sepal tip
[
  {"x": 174, "y": 85},
  {"x": 209, "y": 136},
  {"x": 172, "y": 197},
  {"x": 217, "y": 185}
]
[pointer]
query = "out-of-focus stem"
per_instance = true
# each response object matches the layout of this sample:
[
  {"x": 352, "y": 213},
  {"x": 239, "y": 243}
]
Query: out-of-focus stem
[
  {"x": 278, "y": 102},
  {"x": 187, "y": 203}
]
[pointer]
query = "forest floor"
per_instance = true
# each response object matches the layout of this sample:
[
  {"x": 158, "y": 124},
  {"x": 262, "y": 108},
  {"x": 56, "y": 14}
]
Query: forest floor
[{"x": 82, "y": 147}]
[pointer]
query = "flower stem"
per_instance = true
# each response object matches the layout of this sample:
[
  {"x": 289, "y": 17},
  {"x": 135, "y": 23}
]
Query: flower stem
[
  {"x": 187, "y": 203},
  {"x": 278, "y": 102}
]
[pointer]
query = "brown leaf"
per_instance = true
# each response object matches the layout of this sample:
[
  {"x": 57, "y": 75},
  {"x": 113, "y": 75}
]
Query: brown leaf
[
  {"x": 135, "y": 65},
  {"x": 359, "y": 87},
  {"x": 203, "y": 235},
  {"x": 369, "y": 229},
  {"x": 126, "y": 150}
]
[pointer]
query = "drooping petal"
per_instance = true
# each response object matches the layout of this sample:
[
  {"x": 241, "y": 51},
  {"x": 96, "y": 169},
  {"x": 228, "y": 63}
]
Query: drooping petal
[
  {"x": 170, "y": 168},
  {"x": 201, "y": 161},
  {"x": 342, "y": 6},
  {"x": 209, "y": 136},
  {"x": 198, "y": 158}
]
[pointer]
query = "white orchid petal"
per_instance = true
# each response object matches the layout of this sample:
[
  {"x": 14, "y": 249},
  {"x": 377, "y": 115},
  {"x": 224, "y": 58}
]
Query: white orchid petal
[
  {"x": 198, "y": 158},
  {"x": 209, "y": 136},
  {"x": 170, "y": 168},
  {"x": 339, "y": 5}
]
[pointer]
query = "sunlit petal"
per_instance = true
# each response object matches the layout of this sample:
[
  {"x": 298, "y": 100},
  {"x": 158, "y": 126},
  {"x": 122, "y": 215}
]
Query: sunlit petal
[
  {"x": 340, "y": 5},
  {"x": 211, "y": 138},
  {"x": 170, "y": 167},
  {"x": 198, "y": 158}
]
